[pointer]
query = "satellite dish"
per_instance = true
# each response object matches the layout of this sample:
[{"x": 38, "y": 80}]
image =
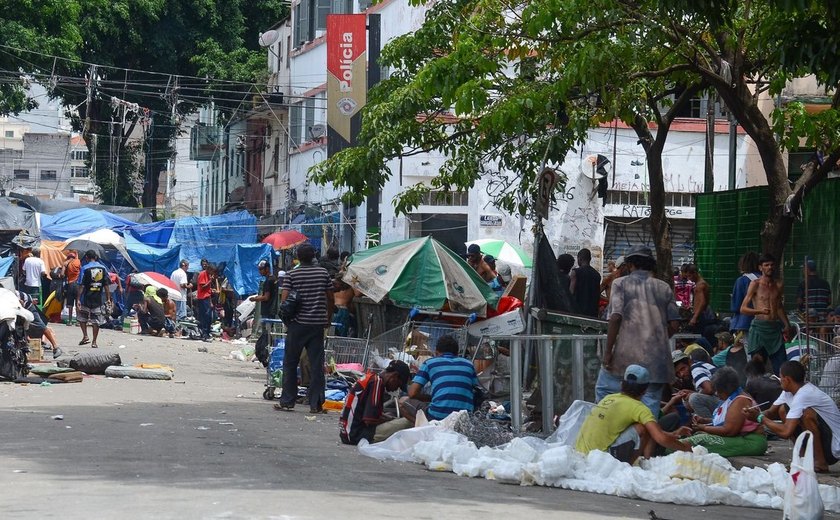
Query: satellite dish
[
  {"x": 269, "y": 38},
  {"x": 317, "y": 131}
]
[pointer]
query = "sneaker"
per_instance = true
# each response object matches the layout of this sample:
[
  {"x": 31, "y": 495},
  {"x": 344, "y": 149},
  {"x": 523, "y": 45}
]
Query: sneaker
[{"x": 57, "y": 353}]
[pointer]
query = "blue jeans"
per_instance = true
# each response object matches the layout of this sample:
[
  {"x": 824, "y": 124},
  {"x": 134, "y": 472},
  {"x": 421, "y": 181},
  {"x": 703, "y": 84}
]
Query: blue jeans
[
  {"x": 181, "y": 310},
  {"x": 205, "y": 312},
  {"x": 611, "y": 384}
]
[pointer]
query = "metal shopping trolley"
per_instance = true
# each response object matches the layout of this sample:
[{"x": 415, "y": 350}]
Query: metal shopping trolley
[{"x": 276, "y": 349}]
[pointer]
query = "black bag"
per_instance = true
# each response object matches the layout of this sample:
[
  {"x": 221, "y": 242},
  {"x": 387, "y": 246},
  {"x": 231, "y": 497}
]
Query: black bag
[
  {"x": 94, "y": 362},
  {"x": 479, "y": 396},
  {"x": 261, "y": 348},
  {"x": 289, "y": 308},
  {"x": 13, "y": 350}
]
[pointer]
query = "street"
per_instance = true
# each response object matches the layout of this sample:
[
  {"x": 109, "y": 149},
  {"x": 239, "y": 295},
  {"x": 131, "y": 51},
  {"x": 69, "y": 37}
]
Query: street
[{"x": 206, "y": 445}]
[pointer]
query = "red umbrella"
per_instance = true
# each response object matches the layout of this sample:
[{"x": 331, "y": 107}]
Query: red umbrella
[
  {"x": 286, "y": 239},
  {"x": 161, "y": 282}
]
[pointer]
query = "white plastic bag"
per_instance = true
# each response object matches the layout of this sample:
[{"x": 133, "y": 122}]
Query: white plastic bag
[
  {"x": 570, "y": 423},
  {"x": 802, "y": 498}
]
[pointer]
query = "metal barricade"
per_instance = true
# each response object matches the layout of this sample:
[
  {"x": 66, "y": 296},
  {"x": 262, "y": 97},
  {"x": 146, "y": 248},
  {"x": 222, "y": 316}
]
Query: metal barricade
[
  {"x": 683, "y": 335},
  {"x": 570, "y": 378}
]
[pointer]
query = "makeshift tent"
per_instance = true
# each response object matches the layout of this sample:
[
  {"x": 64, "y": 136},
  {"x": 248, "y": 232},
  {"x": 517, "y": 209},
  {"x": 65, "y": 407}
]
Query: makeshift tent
[
  {"x": 214, "y": 237},
  {"x": 163, "y": 260},
  {"x": 74, "y": 222},
  {"x": 241, "y": 267},
  {"x": 52, "y": 253},
  {"x": 6, "y": 264},
  {"x": 54, "y": 206},
  {"x": 318, "y": 229},
  {"x": 14, "y": 216},
  {"x": 155, "y": 234}
]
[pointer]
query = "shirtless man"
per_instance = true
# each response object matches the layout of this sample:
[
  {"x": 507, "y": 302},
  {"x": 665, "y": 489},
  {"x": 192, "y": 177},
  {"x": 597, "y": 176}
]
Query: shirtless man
[
  {"x": 343, "y": 318},
  {"x": 702, "y": 315},
  {"x": 476, "y": 261},
  {"x": 764, "y": 302}
]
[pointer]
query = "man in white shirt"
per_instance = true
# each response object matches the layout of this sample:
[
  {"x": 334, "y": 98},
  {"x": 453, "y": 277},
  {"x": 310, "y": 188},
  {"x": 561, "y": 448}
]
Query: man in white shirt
[
  {"x": 803, "y": 406},
  {"x": 33, "y": 269},
  {"x": 181, "y": 277}
]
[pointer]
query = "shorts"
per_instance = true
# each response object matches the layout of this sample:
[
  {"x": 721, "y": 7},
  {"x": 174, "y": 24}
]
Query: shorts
[
  {"x": 826, "y": 438},
  {"x": 414, "y": 405},
  {"x": 627, "y": 443},
  {"x": 71, "y": 292},
  {"x": 96, "y": 316}
]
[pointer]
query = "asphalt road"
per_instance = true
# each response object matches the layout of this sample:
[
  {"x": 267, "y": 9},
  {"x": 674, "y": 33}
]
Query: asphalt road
[{"x": 206, "y": 445}]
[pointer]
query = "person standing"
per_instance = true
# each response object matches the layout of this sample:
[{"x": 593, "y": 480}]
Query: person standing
[
  {"x": 268, "y": 291},
  {"x": 642, "y": 316},
  {"x": 181, "y": 278},
  {"x": 702, "y": 315},
  {"x": 94, "y": 298},
  {"x": 70, "y": 270},
  {"x": 33, "y": 270},
  {"x": 331, "y": 262},
  {"x": 764, "y": 302},
  {"x": 748, "y": 265},
  {"x": 818, "y": 301},
  {"x": 204, "y": 299},
  {"x": 314, "y": 294},
  {"x": 683, "y": 287},
  {"x": 585, "y": 285}
]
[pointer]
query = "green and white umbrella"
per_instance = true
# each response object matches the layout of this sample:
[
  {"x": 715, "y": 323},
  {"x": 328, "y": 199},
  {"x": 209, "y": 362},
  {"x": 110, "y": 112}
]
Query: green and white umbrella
[
  {"x": 420, "y": 273},
  {"x": 506, "y": 252}
]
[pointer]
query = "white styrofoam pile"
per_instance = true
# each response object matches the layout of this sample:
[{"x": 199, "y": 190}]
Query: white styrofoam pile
[{"x": 697, "y": 478}]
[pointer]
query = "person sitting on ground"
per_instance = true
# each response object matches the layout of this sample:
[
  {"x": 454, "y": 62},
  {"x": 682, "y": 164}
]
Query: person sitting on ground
[
  {"x": 150, "y": 313},
  {"x": 363, "y": 416},
  {"x": 38, "y": 328},
  {"x": 763, "y": 386},
  {"x": 803, "y": 406},
  {"x": 621, "y": 425},
  {"x": 731, "y": 353},
  {"x": 728, "y": 432},
  {"x": 452, "y": 379},
  {"x": 703, "y": 400},
  {"x": 674, "y": 412},
  {"x": 170, "y": 312}
]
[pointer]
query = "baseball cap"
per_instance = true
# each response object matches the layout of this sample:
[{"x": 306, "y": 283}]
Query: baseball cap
[
  {"x": 504, "y": 271},
  {"x": 677, "y": 356},
  {"x": 691, "y": 348},
  {"x": 640, "y": 251},
  {"x": 474, "y": 249},
  {"x": 637, "y": 374},
  {"x": 620, "y": 261},
  {"x": 402, "y": 371},
  {"x": 810, "y": 264},
  {"x": 263, "y": 264}
]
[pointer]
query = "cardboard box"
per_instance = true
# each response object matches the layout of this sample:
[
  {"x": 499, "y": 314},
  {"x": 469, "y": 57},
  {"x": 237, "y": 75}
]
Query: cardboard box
[
  {"x": 36, "y": 350},
  {"x": 502, "y": 325}
]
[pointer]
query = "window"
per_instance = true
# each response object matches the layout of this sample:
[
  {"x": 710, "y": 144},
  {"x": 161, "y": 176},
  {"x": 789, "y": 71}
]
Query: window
[
  {"x": 79, "y": 172},
  {"x": 10, "y": 134},
  {"x": 310, "y": 118},
  {"x": 446, "y": 198},
  {"x": 276, "y": 156},
  {"x": 80, "y": 155},
  {"x": 21, "y": 174},
  {"x": 48, "y": 175},
  {"x": 295, "y": 124},
  {"x": 311, "y": 17},
  {"x": 640, "y": 198}
]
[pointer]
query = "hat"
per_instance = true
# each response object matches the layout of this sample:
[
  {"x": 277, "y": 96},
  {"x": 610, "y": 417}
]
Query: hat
[
  {"x": 644, "y": 252},
  {"x": 489, "y": 259},
  {"x": 810, "y": 264},
  {"x": 504, "y": 271},
  {"x": 725, "y": 336},
  {"x": 474, "y": 249},
  {"x": 637, "y": 374},
  {"x": 677, "y": 356},
  {"x": 620, "y": 261},
  {"x": 691, "y": 348},
  {"x": 263, "y": 264},
  {"x": 402, "y": 372}
]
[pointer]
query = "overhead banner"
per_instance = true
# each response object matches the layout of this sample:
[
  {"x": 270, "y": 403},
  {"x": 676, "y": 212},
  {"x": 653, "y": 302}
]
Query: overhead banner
[{"x": 346, "y": 78}]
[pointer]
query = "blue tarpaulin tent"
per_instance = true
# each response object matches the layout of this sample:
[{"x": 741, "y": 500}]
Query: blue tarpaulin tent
[
  {"x": 155, "y": 234},
  {"x": 241, "y": 268},
  {"x": 6, "y": 264},
  {"x": 213, "y": 238},
  {"x": 163, "y": 260},
  {"x": 75, "y": 222}
]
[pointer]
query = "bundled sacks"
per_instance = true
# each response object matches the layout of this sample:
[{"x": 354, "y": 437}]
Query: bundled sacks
[{"x": 93, "y": 362}]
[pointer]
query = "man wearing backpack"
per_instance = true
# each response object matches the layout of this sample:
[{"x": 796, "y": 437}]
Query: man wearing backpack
[{"x": 313, "y": 288}]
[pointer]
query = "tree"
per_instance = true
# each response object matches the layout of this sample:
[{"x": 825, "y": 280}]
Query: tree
[{"x": 167, "y": 37}]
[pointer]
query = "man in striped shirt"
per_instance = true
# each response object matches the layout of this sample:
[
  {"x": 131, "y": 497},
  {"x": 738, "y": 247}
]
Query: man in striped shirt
[
  {"x": 703, "y": 401},
  {"x": 314, "y": 289},
  {"x": 452, "y": 379},
  {"x": 363, "y": 416}
]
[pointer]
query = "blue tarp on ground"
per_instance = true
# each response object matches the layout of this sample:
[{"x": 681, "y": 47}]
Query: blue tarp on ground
[
  {"x": 213, "y": 238},
  {"x": 155, "y": 234},
  {"x": 75, "y": 222},
  {"x": 241, "y": 268},
  {"x": 163, "y": 260}
]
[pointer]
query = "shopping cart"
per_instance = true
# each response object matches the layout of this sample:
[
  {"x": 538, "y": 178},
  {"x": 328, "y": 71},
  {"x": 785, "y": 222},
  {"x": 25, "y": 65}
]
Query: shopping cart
[
  {"x": 276, "y": 350},
  {"x": 340, "y": 350},
  {"x": 420, "y": 334}
]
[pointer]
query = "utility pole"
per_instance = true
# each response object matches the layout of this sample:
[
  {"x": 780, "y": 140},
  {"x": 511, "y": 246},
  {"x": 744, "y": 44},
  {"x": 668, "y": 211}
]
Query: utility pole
[
  {"x": 733, "y": 148},
  {"x": 709, "y": 179}
]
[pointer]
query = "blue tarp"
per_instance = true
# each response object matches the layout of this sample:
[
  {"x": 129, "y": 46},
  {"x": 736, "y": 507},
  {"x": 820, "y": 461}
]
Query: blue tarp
[
  {"x": 155, "y": 234},
  {"x": 241, "y": 267},
  {"x": 75, "y": 222},
  {"x": 5, "y": 265},
  {"x": 213, "y": 238},
  {"x": 163, "y": 260}
]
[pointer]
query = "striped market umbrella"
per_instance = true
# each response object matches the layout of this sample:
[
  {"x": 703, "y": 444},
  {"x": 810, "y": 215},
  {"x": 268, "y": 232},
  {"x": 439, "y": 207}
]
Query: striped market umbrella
[
  {"x": 160, "y": 281},
  {"x": 506, "y": 252},
  {"x": 420, "y": 273}
]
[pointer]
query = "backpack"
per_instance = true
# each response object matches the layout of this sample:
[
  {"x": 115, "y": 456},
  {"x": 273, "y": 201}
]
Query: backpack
[{"x": 290, "y": 307}]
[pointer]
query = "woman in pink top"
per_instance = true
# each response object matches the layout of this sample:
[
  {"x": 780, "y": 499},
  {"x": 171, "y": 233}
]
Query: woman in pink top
[{"x": 729, "y": 433}]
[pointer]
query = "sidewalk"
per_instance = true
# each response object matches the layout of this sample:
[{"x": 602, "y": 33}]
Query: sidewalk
[{"x": 781, "y": 451}]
